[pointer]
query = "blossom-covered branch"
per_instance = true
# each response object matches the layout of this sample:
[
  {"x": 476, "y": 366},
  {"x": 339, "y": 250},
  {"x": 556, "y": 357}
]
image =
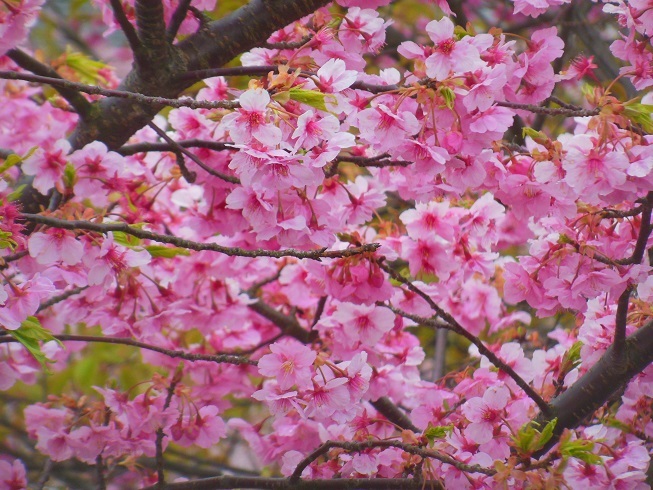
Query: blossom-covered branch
[
  {"x": 191, "y": 245},
  {"x": 371, "y": 444}
]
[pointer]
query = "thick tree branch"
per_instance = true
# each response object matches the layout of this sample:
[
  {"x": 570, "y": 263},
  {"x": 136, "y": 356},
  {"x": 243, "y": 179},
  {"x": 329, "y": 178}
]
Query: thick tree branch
[
  {"x": 394, "y": 414},
  {"x": 609, "y": 375},
  {"x": 74, "y": 98},
  {"x": 60, "y": 83},
  {"x": 151, "y": 29},
  {"x": 191, "y": 143},
  {"x": 286, "y": 323},
  {"x": 191, "y": 245},
  {"x": 115, "y": 120}
]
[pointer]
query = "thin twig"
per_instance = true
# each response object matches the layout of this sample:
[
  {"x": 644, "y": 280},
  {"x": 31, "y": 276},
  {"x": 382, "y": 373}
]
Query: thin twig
[
  {"x": 551, "y": 111},
  {"x": 160, "y": 434},
  {"x": 60, "y": 298},
  {"x": 99, "y": 471},
  {"x": 180, "y": 149},
  {"x": 4, "y": 261},
  {"x": 126, "y": 27},
  {"x": 452, "y": 324},
  {"x": 45, "y": 474},
  {"x": 177, "y": 18},
  {"x": 197, "y": 246},
  {"x": 176, "y": 354},
  {"x": 371, "y": 444},
  {"x": 289, "y": 45}
]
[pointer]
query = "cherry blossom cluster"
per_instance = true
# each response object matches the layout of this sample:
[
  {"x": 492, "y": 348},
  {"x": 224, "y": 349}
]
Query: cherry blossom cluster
[{"x": 531, "y": 254}]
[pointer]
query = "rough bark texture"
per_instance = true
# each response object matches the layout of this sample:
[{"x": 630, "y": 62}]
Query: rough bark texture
[
  {"x": 600, "y": 383},
  {"x": 114, "y": 121}
]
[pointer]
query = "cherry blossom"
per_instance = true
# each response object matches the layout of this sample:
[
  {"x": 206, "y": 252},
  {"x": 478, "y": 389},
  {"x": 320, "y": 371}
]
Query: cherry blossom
[
  {"x": 289, "y": 363},
  {"x": 379, "y": 244}
]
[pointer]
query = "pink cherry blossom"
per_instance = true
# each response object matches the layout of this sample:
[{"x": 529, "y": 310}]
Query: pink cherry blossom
[
  {"x": 203, "y": 428},
  {"x": 55, "y": 245},
  {"x": 250, "y": 121},
  {"x": 290, "y": 363},
  {"x": 16, "y": 19},
  {"x": 449, "y": 55},
  {"x": 334, "y": 77},
  {"x": 23, "y": 300},
  {"x": 485, "y": 413},
  {"x": 12, "y": 475},
  {"x": 47, "y": 165},
  {"x": 366, "y": 324}
]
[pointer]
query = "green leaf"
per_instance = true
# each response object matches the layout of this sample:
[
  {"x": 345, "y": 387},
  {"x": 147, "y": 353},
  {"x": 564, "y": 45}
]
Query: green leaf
[
  {"x": 86, "y": 68},
  {"x": 30, "y": 333},
  {"x": 14, "y": 159},
  {"x": 9, "y": 162},
  {"x": 571, "y": 359},
  {"x": 640, "y": 114},
  {"x": 309, "y": 97},
  {"x": 580, "y": 450},
  {"x": 69, "y": 175},
  {"x": 448, "y": 95},
  {"x": 538, "y": 136},
  {"x": 126, "y": 240},
  {"x": 166, "y": 252},
  {"x": 437, "y": 432},
  {"x": 6, "y": 241},
  {"x": 16, "y": 193},
  {"x": 529, "y": 438}
]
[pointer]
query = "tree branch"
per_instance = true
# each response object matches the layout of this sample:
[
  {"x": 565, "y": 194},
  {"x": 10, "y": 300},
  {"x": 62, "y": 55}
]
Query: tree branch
[
  {"x": 221, "y": 41},
  {"x": 105, "y": 228},
  {"x": 138, "y": 97},
  {"x": 231, "y": 482},
  {"x": 151, "y": 29},
  {"x": 609, "y": 375},
  {"x": 191, "y": 143},
  {"x": 72, "y": 96},
  {"x": 621, "y": 318},
  {"x": 126, "y": 26},
  {"x": 291, "y": 327},
  {"x": 483, "y": 350},
  {"x": 370, "y": 444},
  {"x": 176, "y": 20},
  {"x": 179, "y": 150},
  {"x": 160, "y": 473},
  {"x": 394, "y": 414},
  {"x": 551, "y": 111},
  {"x": 286, "y": 323},
  {"x": 175, "y": 354}
]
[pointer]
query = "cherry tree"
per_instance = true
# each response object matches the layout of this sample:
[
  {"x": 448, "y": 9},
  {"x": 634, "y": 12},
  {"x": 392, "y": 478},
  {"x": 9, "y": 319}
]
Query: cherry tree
[{"x": 300, "y": 244}]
